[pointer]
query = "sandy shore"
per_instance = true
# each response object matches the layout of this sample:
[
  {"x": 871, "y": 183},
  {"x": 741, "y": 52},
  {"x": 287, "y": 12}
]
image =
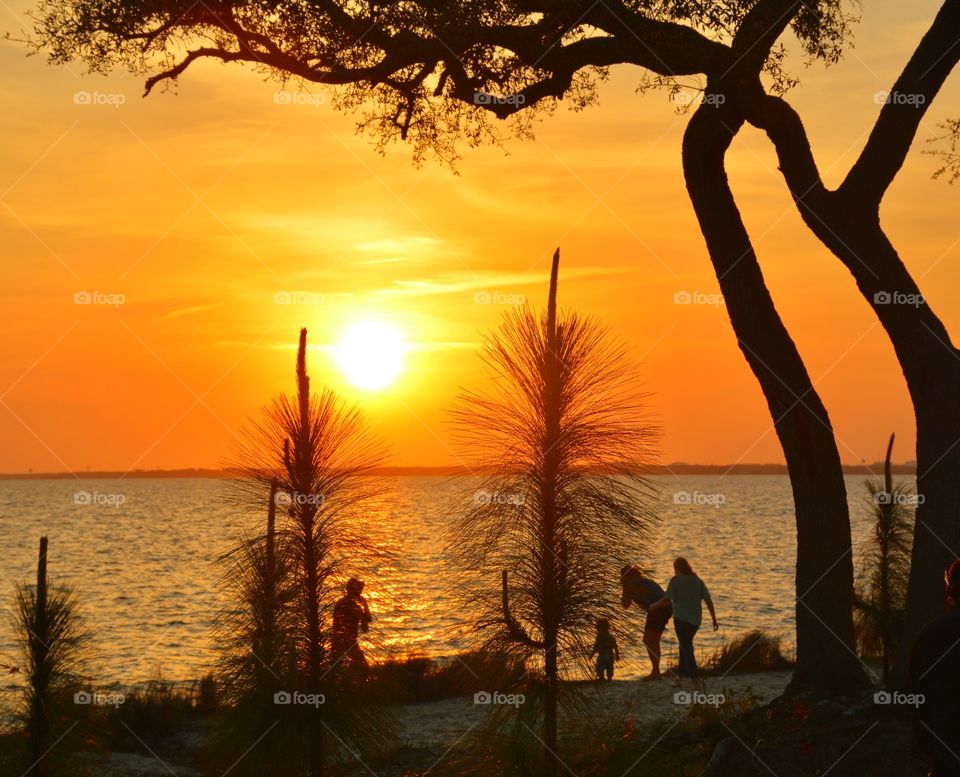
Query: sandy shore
[{"x": 444, "y": 723}]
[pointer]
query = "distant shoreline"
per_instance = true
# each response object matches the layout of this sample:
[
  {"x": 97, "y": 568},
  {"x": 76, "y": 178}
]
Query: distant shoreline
[{"x": 908, "y": 468}]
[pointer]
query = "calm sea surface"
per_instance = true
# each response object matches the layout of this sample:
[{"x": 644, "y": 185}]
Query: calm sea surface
[{"x": 145, "y": 570}]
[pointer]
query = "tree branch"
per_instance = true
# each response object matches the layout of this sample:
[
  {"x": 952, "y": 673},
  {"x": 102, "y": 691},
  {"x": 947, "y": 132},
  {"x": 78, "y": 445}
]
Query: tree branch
[
  {"x": 516, "y": 631},
  {"x": 908, "y": 101}
]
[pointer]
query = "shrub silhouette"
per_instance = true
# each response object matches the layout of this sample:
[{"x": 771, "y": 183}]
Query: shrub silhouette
[{"x": 881, "y": 595}]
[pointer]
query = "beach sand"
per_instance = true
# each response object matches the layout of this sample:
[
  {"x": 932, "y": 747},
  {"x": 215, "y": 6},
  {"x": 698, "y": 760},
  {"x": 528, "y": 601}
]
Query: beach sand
[
  {"x": 440, "y": 725},
  {"x": 444, "y": 723}
]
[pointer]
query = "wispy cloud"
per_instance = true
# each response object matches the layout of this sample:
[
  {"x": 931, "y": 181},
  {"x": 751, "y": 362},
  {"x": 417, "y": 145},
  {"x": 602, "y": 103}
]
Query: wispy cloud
[
  {"x": 456, "y": 283},
  {"x": 186, "y": 311},
  {"x": 393, "y": 250}
]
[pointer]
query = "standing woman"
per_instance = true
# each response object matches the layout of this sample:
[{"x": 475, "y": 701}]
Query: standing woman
[{"x": 685, "y": 592}]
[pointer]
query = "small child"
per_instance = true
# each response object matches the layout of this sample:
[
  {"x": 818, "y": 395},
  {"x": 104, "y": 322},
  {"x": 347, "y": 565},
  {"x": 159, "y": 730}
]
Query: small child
[{"x": 605, "y": 647}]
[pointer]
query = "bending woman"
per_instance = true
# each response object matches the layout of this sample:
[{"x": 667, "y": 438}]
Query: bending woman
[{"x": 685, "y": 592}]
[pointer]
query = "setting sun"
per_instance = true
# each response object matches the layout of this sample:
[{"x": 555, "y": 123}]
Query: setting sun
[{"x": 370, "y": 355}]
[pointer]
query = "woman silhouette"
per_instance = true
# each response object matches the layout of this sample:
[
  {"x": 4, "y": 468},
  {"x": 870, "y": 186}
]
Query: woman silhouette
[{"x": 685, "y": 592}]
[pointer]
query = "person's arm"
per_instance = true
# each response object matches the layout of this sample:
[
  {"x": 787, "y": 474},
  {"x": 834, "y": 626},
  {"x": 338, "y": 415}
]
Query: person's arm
[
  {"x": 365, "y": 616},
  {"x": 616, "y": 650},
  {"x": 595, "y": 647},
  {"x": 663, "y": 601},
  {"x": 625, "y": 597},
  {"x": 707, "y": 598}
]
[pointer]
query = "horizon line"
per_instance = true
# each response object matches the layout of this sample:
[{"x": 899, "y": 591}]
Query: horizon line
[{"x": 908, "y": 467}]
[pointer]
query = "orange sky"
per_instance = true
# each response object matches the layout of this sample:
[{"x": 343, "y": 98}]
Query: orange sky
[{"x": 199, "y": 207}]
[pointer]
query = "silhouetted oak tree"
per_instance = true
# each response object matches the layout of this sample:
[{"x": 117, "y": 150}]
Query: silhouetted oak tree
[{"x": 435, "y": 73}]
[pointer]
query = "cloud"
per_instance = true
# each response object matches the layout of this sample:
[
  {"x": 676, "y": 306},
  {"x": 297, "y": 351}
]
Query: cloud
[
  {"x": 186, "y": 311},
  {"x": 457, "y": 283}
]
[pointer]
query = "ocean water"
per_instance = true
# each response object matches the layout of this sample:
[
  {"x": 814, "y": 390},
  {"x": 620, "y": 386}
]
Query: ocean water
[{"x": 142, "y": 559}]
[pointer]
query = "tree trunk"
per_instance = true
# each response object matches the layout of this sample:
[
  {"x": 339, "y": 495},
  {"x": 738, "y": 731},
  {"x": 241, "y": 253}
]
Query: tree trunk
[
  {"x": 826, "y": 658},
  {"x": 550, "y": 558},
  {"x": 847, "y": 221},
  {"x": 931, "y": 367},
  {"x": 305, "y": 510},
  {"x": 41, "y": 677}
]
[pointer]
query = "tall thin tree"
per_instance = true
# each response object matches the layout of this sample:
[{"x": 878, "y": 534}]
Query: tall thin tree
[
  {"x": 254, "y": 635},
  {"x": 319, "y": 459},
  {"x": 565, "y": 433},
  {"x": 881, "y": 599},
  {"x": 52, "y": 641}
]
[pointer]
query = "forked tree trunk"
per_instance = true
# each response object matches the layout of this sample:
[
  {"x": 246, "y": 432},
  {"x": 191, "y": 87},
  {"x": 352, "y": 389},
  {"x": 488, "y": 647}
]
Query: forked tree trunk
[
  {"x": 931, "y": 366},
  {"x": 847, "y": 221},
  {"x": 826, "y": 658}
]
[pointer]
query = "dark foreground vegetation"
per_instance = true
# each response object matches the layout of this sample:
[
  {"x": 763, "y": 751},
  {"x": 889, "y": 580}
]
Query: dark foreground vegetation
[{"x": 163, "y": 728}]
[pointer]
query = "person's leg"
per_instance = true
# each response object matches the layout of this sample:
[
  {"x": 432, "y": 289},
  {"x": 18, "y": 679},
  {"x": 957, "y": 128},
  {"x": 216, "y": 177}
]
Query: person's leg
[
  {"x": 692, "y": 655},
  {"x": 651, "y": 641},
  {"x": 685, "y": 632},
  {"x": 682, "y": 660}
]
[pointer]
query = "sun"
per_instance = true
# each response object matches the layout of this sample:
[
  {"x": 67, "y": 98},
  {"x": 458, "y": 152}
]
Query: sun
[{"x": 370, "y": 355}]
